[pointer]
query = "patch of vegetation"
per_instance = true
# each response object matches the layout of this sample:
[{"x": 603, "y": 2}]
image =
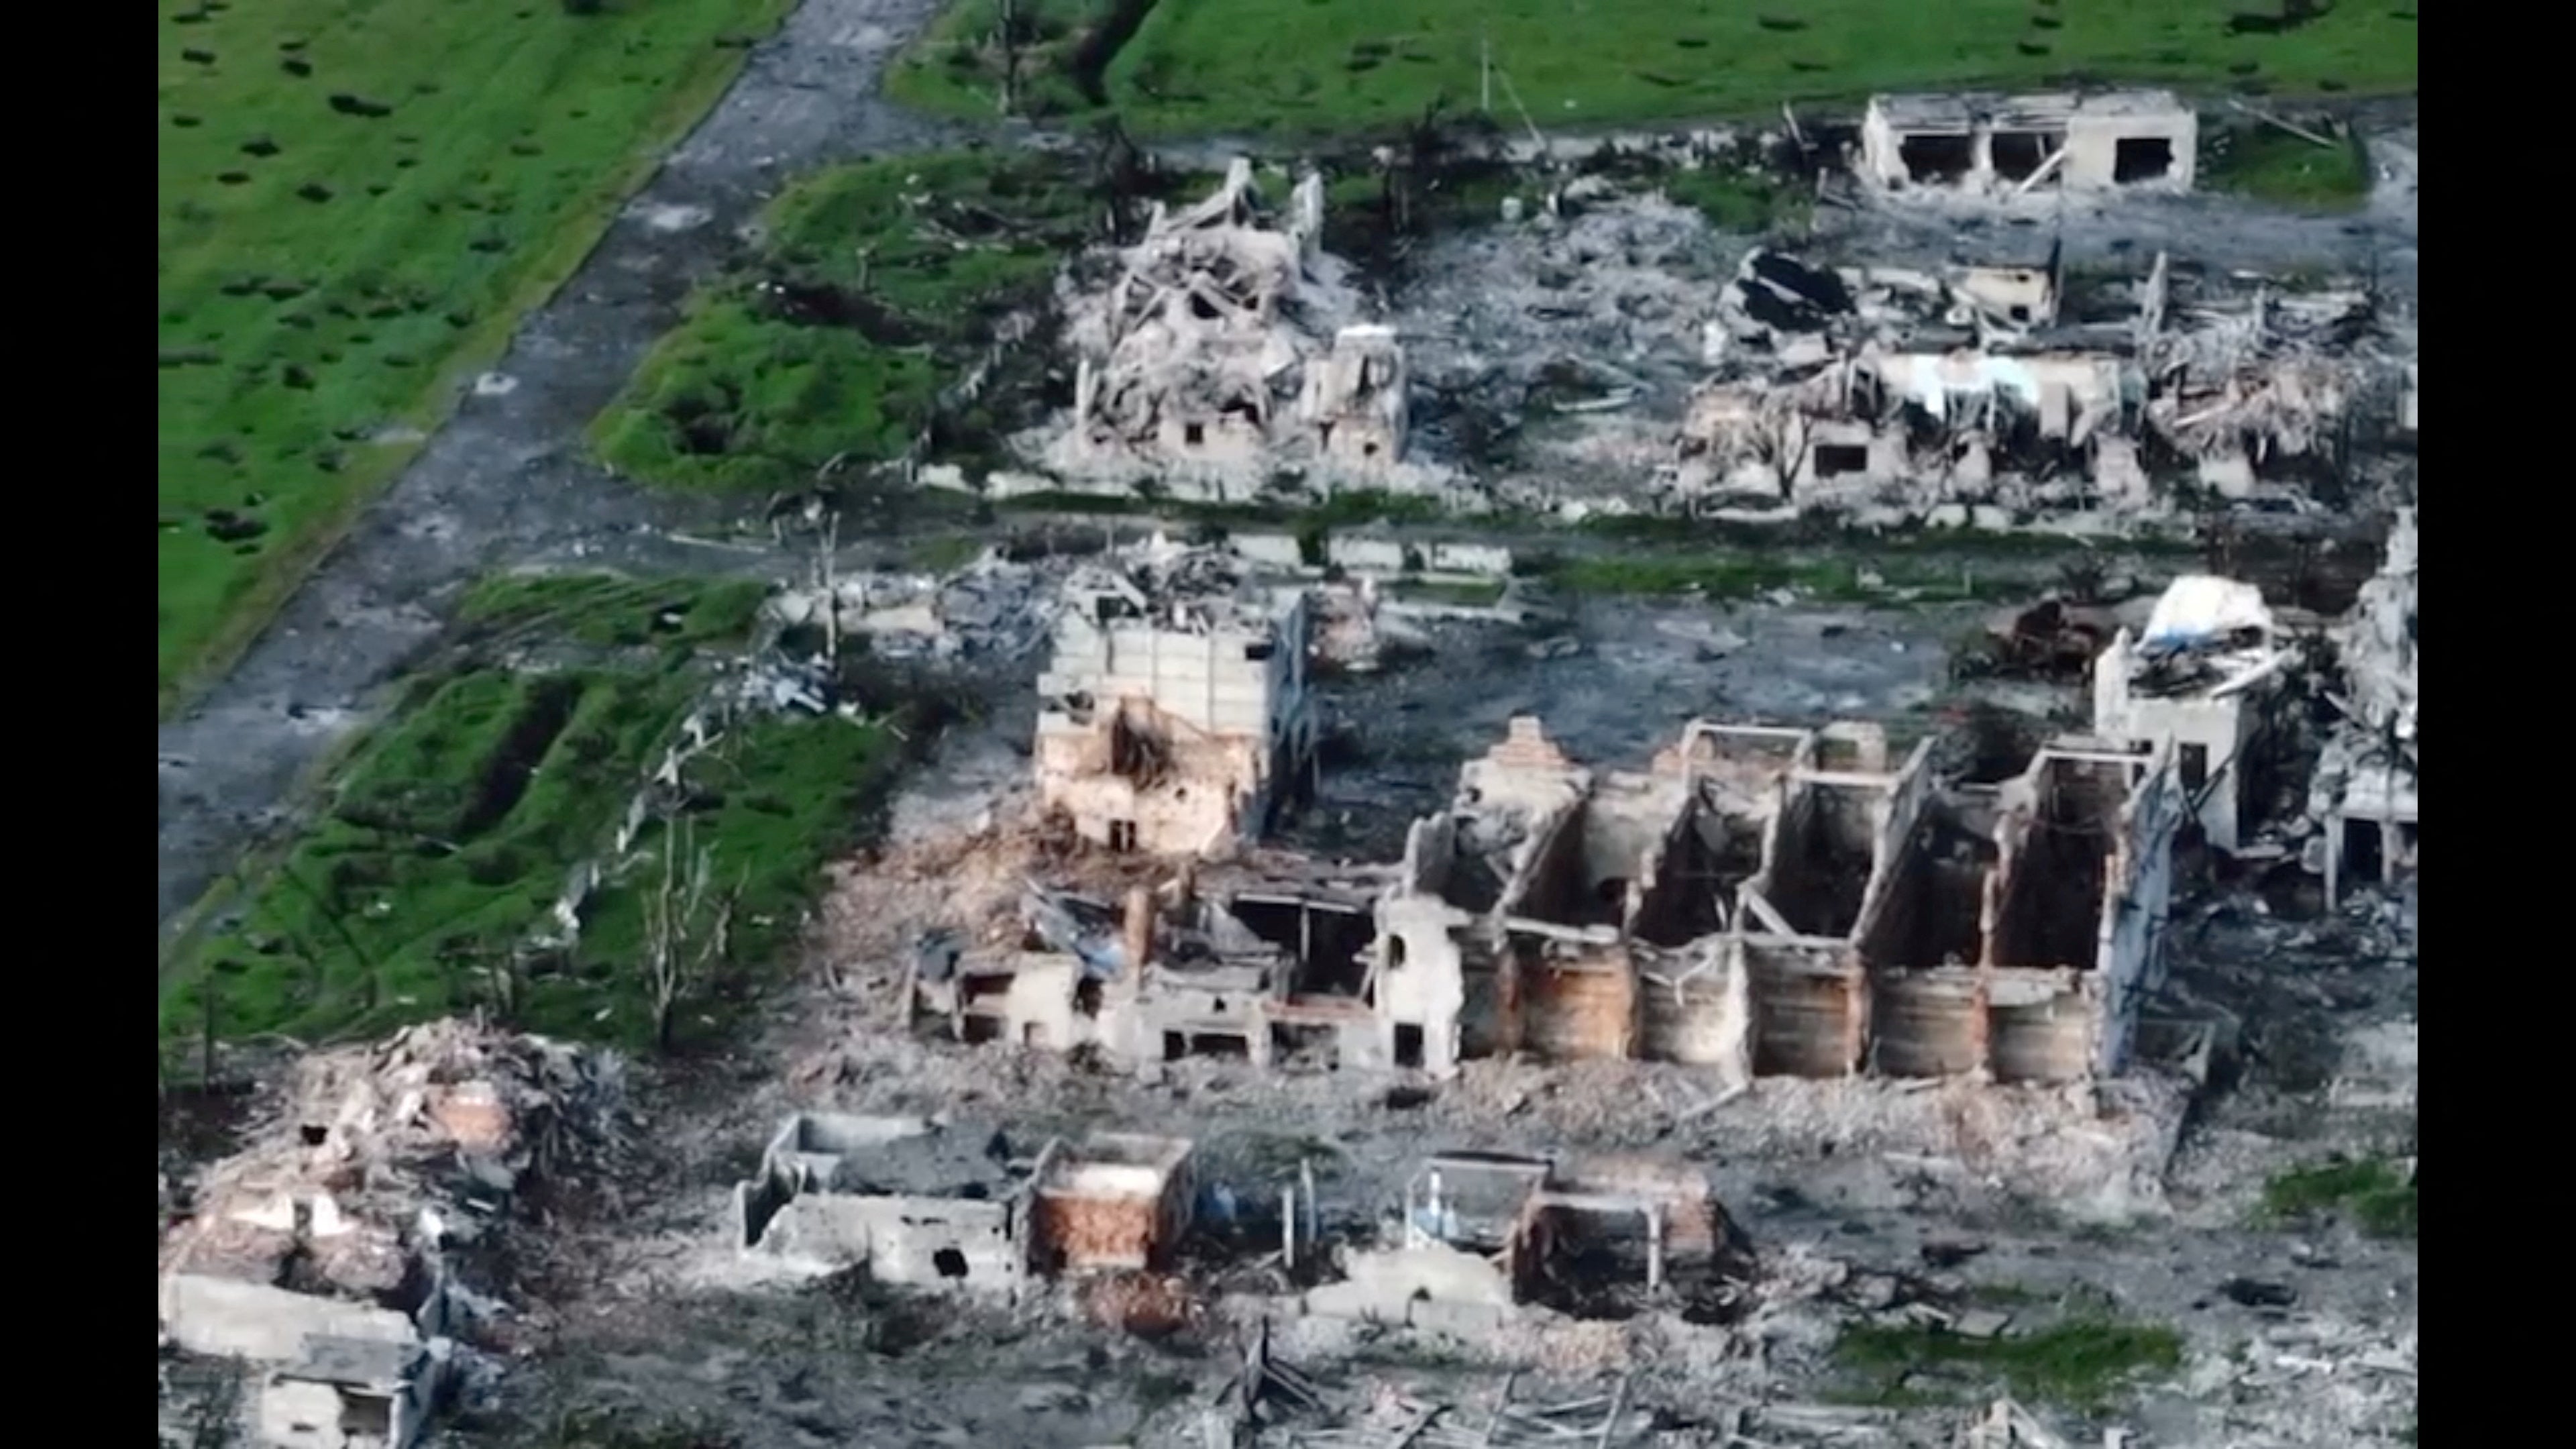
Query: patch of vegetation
[
  {"x": 1481, "y": 594},
  {"x": 1200, "y": 67},
  {"x": 945, "y": 554},
  {"x": 1743, "y": 200},
  {"x": 2371, "y": 1192},
  {"x": 591, "y": 1430},
  {"x": 1047, "y": 60},
  {"x": 2080, "y": 1365},
  {"x": 610, "y": 611},
  {"x": 2270, "y": 164},
  {"x": 1741, "y": 574},
  {"x": 875, "y": 287},
  {"x": 454, "y": 827},
  {"x": 356, "y": 208}
]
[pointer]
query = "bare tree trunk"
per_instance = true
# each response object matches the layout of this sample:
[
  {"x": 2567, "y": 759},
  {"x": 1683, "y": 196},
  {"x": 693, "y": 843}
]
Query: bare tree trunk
[
  {"x": 681, "y": 944},
  {"x": 1007, "y": 24}
]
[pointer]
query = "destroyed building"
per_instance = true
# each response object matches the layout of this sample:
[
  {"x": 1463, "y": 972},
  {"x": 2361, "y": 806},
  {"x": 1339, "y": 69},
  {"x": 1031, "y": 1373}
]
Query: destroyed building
[
  {"x": 1175, "y": 715},
  {"x": 2204, "y": 679},
  {"x": 1783, "y": 902},
  {"x": 2364, "y": 792},
  {"x": 1878, "y": 385},
  {"x": 353, "y": 1393},
  {"x": 2014, "y": 145},
  {"x": 1227, "y": 344},
  {"x": 1118, "y": 1202},
  {"x": 1761, "y": 901},
  {"x": 1264, "y": 958},
  {"x": 904, "y": 1200},
  {"x": 326, "y": 1252},
  {"x": 1483, "y": 1233},
  {"x": 953, "y": 1207}
]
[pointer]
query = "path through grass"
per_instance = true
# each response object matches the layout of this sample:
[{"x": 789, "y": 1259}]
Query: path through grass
[{"x": 358, "y": 202}]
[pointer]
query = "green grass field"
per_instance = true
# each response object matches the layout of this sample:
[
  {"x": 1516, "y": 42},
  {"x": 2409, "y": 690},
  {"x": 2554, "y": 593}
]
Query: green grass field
[
  {"x": 450, "y": 832},
  {"x": 2372, "y": 1192},
  {"x": 1316, "y": 66},
  {"x": 2262, "y": 161},
  {"x": 358, "y": 202},
  {"x": 877, "y": 283},
  {"x": 2080, "y": 1365}
]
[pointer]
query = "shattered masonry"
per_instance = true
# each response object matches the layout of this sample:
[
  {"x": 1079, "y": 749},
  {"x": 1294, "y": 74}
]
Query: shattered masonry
[
  {"x": 952, "y": 1206},
  {"x": 1761, "y": 902},
  {"x": 2364, "y": 791},
  {"x": 2012, "y": 145},
  {"x": 1175, "y": 717},
  {"x": 1483, "y": 1233},
  {"x": 1861, "y": 385},
  {"x": 1208, "y": 356},
  {"x": 321, "y": 1252}
]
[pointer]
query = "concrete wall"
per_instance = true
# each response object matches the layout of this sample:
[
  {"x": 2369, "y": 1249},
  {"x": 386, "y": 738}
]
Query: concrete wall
[
  {"x": 1927, "y": 1023},
  {"x": 223, "y": 1318},
  {"x": 1694, "y": 1010},
  {"x": 2138, "y": 910},
  {"x": 901, "y": 1240},
  {"x": 1383, "y": 1286},
  {"x": 1579, "y": 1006},
  {"x": 2044, "y": 1026},
  {"x": 1213, "y": 790},
  {"x": 1809, "y": 1009},
  {"x": 1421, "y": 980}
]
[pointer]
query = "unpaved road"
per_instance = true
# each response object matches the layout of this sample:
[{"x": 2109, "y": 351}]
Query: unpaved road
[{"x": 504, "y": 480}]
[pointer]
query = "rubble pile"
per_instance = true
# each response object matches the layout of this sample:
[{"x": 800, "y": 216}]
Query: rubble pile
[
  {"x": 1880, "y": 387},
  {"x": 429, "y": 1131},
  {"x": 2366, "y": 775},
  {"x": 1578, "y": 335},
  {"x": 991, "y": 609},
  {"x": 1228, "y": 348}
]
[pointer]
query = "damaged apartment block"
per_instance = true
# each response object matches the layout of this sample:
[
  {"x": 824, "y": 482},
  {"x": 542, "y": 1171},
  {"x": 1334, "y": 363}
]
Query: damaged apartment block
[
  {"x": 1226, "y": 346},
  {"x": 1782, "y": 902},
  {"x": 2013, "y": 145},
  {"x": 1176, "y": 718},
  {"x": 943, "y": 1206},
  {"x": 1843, "y": 387},
  {"x": 1761, "y": 902}
]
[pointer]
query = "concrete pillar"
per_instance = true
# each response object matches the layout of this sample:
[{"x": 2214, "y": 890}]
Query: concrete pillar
[{"x": 1139, "y": 933}]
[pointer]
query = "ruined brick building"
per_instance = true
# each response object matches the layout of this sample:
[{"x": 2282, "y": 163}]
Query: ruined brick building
[{"x": 1760, "y": 901}]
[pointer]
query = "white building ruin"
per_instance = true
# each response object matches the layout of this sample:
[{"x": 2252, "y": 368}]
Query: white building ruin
[
  {"x": 2014, "y": 145},
  {"x": 2203, "y": 679},
  {"x": 1176, "y": 718}
]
